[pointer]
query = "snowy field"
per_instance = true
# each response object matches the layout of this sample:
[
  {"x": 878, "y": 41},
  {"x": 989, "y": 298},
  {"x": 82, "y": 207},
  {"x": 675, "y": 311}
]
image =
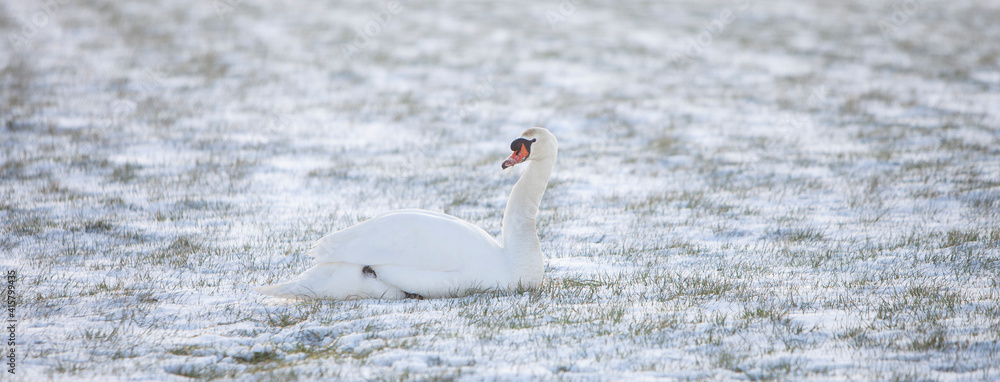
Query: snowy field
[{"x": 745, "y": 190}]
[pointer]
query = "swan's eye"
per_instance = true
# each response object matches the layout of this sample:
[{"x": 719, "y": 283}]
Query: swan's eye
[{"x": 516, "y": 145}]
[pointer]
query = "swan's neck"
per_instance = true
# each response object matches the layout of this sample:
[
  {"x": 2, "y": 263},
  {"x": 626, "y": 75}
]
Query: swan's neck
[{"x": 520, "y": 235}]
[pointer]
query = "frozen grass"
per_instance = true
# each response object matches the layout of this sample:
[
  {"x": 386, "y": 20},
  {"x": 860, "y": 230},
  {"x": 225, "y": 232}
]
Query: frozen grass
[{"x": 811, "y": 192}]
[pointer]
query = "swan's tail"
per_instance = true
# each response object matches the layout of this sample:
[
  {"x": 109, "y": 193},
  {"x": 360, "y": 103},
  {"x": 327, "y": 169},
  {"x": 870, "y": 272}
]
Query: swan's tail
[
  {"x": 334, "y": 281},
  {"x": 290, "y": 289}
]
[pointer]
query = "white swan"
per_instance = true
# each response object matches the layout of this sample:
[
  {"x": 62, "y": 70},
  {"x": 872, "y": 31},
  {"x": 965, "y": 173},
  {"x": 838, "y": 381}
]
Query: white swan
[{"x": 425, "y": 254}]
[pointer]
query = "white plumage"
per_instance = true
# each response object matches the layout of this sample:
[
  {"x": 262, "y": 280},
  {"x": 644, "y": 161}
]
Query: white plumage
[{"x": 426, "y": 254}]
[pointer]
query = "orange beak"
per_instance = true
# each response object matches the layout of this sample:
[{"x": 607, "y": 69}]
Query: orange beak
[{"x": 515, "y": 158}]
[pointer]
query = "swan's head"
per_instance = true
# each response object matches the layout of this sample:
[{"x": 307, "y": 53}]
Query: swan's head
[{"x": 535, "y": 143}]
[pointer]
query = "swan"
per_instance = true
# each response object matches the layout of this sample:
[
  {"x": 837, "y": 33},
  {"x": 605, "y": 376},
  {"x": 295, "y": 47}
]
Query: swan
[{"x": 424, "y": 254}]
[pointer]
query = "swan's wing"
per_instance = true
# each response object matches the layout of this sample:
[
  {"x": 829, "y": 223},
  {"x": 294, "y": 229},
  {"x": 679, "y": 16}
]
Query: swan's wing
[{"x": 409, "y": 239}]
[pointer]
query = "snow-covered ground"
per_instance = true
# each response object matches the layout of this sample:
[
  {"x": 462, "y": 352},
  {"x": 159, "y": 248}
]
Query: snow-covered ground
[{"x": 745, "y": 189}]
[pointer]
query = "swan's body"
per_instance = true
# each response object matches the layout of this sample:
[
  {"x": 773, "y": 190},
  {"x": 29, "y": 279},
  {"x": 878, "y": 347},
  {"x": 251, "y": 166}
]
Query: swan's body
[{"x": 426, "y": 254}]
